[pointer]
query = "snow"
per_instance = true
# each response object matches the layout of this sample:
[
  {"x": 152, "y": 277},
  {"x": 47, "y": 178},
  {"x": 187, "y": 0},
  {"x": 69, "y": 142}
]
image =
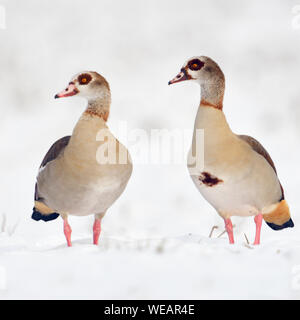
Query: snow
[
  {"x": 155, "y": 242},
  {"x": 182, "y": 267}
]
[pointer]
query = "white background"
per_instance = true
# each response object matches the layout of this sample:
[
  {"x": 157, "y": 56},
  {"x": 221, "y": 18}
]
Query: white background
[{"x": 155, "y": 237}]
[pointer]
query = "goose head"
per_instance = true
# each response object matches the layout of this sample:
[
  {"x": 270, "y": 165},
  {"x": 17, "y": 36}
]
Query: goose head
[
  {"x": 200, "y": 69},
  {"x": 208, "y": 75},
  {"x": 90, "y": 85}
]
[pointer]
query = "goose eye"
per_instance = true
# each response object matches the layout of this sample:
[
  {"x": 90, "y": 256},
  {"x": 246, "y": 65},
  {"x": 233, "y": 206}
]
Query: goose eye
[
  {"x": 195, "y": 64},
  {"x": 84, "y": 78}
]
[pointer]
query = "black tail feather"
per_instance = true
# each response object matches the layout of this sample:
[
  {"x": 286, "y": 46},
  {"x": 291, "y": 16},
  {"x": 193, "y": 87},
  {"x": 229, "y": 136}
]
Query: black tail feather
[
  {"x": 36, "y": 215},
  {"x": 288, "y": 224}
]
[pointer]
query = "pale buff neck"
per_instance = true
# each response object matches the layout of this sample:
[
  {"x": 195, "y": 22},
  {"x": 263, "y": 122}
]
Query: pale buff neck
[
  {"x": 212, "y": 91},
  {"x": 211, "y": 124},
  {"x": 212, "y": 121},
  {"x": 99, "y": 106}
]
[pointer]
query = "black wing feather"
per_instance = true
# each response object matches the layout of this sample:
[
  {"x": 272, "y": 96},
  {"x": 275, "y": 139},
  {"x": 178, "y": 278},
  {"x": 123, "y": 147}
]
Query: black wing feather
[{"x": 51, "y": 155}]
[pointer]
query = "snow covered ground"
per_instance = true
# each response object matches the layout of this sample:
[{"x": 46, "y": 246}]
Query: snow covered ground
[{"x": 155, "y": 238}]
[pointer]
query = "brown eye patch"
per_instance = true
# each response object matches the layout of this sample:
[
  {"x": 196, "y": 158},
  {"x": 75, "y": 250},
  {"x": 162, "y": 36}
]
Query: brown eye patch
[
  {"x": 84, "y": 78},
  {"x": 195, "y": 64}
]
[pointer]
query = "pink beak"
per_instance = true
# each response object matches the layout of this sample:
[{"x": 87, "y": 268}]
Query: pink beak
[
  {"x": 182, "y": 75},
  {"x": 71, "y": 90}
]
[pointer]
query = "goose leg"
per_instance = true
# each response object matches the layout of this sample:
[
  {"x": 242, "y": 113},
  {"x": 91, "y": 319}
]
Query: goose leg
[
  {"x": 67, "y": 232},
  {"x": 97, "y": 228},
  {"x": 258, "y": 222},
  {"x": 229, "y": 229}
]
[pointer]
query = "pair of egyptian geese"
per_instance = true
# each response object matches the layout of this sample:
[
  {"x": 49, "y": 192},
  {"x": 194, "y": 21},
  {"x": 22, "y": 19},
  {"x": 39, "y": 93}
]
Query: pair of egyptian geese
[{"x": 238, "y": 177}]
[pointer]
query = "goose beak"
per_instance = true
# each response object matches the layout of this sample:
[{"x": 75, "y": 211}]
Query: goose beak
[
  {"x": 182, "y": 75},
  {"x": 71, "y": 90}
]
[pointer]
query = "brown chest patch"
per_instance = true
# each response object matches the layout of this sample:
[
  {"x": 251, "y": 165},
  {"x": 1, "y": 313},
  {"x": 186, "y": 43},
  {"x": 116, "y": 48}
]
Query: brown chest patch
[{"x": 209, "y": 179}]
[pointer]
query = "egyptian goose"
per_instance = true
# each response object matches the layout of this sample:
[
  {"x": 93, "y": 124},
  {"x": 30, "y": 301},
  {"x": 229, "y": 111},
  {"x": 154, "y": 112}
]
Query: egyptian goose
[
  {"x": 85, "y": 173},
  {"x": 237, "y": 175}
]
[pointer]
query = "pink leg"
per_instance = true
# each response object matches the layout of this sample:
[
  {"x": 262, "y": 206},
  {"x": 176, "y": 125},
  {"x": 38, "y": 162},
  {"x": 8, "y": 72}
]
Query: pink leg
[
  {"x": 67, "y": 232},
  {"x": 229, "y": 229},
  {"x": 97, "y": 230},
  {"x": 258, "y": 222}
]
